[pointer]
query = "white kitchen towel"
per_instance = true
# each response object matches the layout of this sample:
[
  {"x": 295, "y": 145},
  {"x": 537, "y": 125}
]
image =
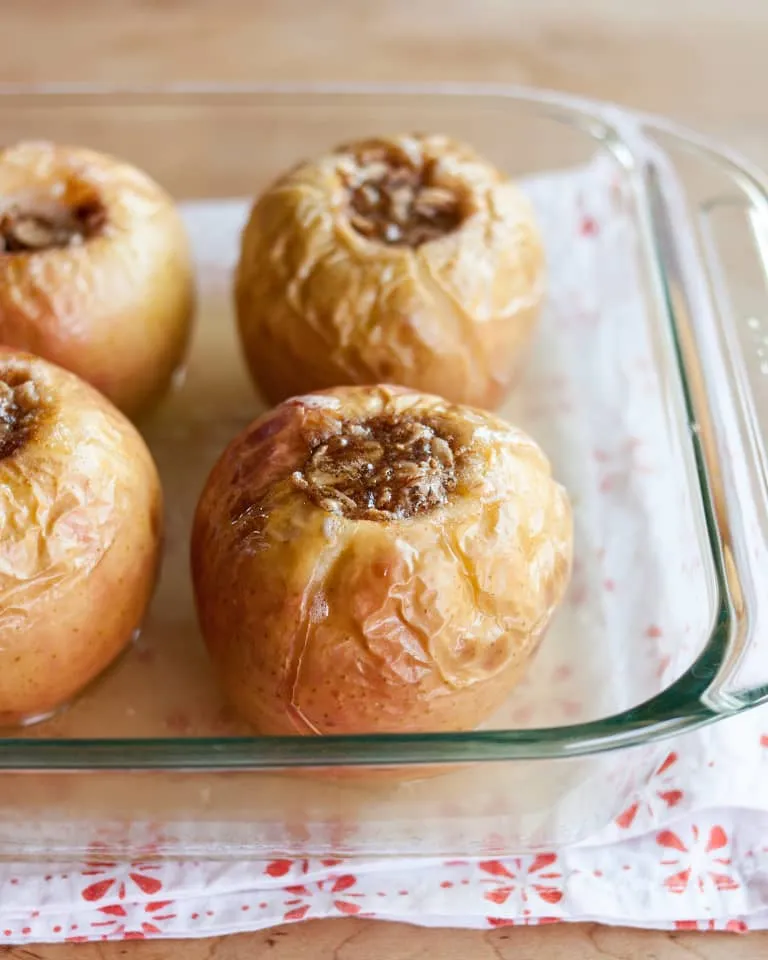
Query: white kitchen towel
[
  {"x": 706, "y": 871},
  {"x": 690, "y": 850}
]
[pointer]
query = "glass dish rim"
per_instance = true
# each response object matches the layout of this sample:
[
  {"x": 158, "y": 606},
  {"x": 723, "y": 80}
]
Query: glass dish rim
[{"x": 685, "y": 704}]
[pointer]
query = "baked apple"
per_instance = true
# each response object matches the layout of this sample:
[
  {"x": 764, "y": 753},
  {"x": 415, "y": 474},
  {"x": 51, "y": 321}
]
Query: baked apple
[
  {"x": 95, "y": 270},
  {"x": 80, "y": 521},
  {"x": 371, "y": 559},
  {"x": 404, "y": 260}
]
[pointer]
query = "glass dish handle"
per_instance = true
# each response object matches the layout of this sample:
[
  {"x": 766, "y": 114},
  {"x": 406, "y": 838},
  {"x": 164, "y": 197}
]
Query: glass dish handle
[
  {"x": 734, "y": 242},
  {"x": 713, "y": 248}
]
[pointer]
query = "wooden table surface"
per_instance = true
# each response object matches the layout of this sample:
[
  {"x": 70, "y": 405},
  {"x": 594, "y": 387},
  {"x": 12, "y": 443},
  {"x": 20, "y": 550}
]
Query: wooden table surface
[{"x": 701, "y": 61}]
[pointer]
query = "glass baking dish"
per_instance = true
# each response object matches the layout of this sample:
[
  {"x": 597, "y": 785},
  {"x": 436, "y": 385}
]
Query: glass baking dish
[{"x": 149, "y": 761}]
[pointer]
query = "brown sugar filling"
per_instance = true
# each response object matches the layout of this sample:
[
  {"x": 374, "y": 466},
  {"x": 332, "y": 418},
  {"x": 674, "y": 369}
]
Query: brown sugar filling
[
  {"x": 19, "y": 408},
  {"x": 26, "y": 231},
  {"x": 396, "y": 201},
  {"x": 383, "y": 468}
]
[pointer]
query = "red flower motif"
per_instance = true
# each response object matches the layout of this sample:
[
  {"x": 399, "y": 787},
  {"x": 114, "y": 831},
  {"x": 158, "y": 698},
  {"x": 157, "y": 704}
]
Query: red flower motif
[
  {"x": 669, "y": 839},
  {"x": 130, "y": 918},
  {"x": 343, "y": 883},
  {"x": 118, "y": 884},
  {"x": 97, "y": 890},
  {"x": 335, "y": 885},
  {"x": 297, "y": 914},
  {"x": 731, "y": 926},
  {"x": 671, "y": 797},
  {"x": 666, "y": 791},
  {"x": 701, "y": 861},
  {"x": 527, "y": 879},
  {"x": 627, "y": 817},
  {"x": 127, "y": 925},
  {"x": 619, "y": 464},
  {"x": 525, "y": 922},
  {"x": 670, "y": 759},
  {"x": 146, "y": 884},
  {"x": 348, "y": 908}
]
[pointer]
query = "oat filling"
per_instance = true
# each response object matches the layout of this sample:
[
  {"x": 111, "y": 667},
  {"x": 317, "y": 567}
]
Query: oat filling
[
  {"x": 19, "y": 408},
  {"x": 383, "y": 468},
  {"x": 396, "y": 202},
  {"x": 29, "y": 230}
]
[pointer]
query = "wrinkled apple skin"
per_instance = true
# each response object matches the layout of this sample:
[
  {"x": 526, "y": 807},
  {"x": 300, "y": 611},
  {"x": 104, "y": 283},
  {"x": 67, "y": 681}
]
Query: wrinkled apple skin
[
  {"x": 80, "y": 532},
  {"x": 116, "y": 309},
  {"x": 322, "y": 624},
  {"x": 320, "y": 305}
]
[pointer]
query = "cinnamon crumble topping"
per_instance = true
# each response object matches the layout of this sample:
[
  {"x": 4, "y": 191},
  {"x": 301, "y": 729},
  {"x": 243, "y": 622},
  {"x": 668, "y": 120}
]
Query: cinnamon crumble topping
[
  {"x": 383, "y": 468},
  {"x": 396, "y": 201},
  {"x": 24, "y": 231},
  {"x": 19, "y": 406}
]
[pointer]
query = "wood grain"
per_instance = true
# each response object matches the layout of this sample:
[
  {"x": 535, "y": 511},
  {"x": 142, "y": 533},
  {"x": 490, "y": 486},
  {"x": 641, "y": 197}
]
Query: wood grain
[
  {"x": 352, "y": 939},
  {"x": 701, "y": 61}
]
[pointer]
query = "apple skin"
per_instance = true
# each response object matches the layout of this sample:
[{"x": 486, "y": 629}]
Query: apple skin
[
  {"x": 320, "y": 623},
  {"x": 115, "y": 309},
  {"x": 320, "y": 305},
  {"x": 80, "y": 536}
]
